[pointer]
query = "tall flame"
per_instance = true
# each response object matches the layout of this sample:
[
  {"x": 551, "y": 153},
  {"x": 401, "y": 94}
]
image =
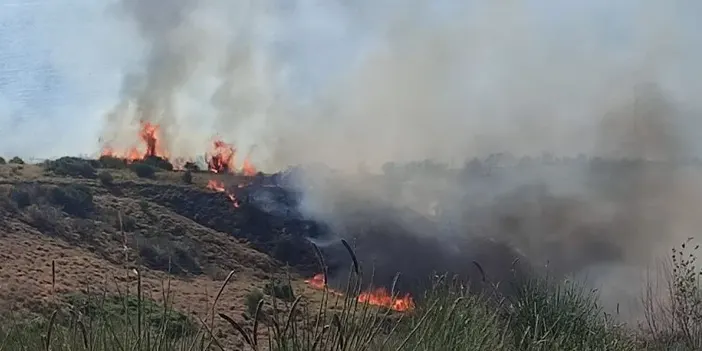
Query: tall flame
[{"x": 149, "y": 133}]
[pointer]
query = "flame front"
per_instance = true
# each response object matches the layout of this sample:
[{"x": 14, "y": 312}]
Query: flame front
[
  {"x": 381, "y": 297},
  {"x": 378, "y": 297},
  {"x": 218, "y": 186}
]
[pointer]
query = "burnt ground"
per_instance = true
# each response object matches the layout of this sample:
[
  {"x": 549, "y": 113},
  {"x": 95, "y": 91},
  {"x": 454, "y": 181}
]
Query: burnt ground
[{"x": 95, "y": 233}]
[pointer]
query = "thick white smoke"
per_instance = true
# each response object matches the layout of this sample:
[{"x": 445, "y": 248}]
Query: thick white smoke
[{"x": 356, "y": 84}]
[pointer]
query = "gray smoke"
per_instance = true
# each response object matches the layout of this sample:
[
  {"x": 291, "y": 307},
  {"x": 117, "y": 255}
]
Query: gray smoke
[{"x": 448, "y": 81}]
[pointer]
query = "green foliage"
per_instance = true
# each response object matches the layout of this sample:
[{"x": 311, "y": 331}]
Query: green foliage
[
  {"x": 21, "y": 197},
  {"x": 112, "y": 162},
  {"x": 74, "y": 199},
  {"x": 545, "y": 314},
  {"x": 143, "y": 170},
  {"x": 106, "y": 178},
  {"x": 280, "y": 289},
  {"x": 72, "y": 167},
  {"x": 158, "y": 163},
  {"x": 168, "y": 255},
  {"x": 113, "y": 308},
  {"x": 251, "y": 300},
  {"x": 675, "y": 322},
  {"x": 187, "y": 177},
  {"x": 16, "y": 160},
  {"x": 2, "y": 161}
]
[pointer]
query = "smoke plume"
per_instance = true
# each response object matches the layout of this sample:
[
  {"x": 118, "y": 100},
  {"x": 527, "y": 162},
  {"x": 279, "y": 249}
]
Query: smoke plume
[{"x": 448, "y": 81}]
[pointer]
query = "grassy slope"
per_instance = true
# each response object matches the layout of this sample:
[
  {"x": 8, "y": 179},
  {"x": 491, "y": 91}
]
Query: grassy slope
[{"x": 52, "y": 260}]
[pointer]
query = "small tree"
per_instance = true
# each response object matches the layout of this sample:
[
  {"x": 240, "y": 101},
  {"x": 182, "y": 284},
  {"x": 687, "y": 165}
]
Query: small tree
[
  {"x": 106, "y": 178},
  {"x": 143, "y": 170},
  {"x": 16, "y": 160},
  {"x": 2, "y": 161},
  {"x": 188, "y": 177}
]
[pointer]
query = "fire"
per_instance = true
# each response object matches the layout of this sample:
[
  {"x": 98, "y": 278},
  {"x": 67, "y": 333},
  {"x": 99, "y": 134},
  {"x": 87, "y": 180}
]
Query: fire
[
  {"x": 378, "y": 297},
  {"x": 317, "y": 281},
  {"x": 248, "y": 169},
  {"x": 381, "y": 297},
  {"x": 222, "y": 159},
  {"x": 218, "y": 186},
  {"x": 151, "y": 136}
]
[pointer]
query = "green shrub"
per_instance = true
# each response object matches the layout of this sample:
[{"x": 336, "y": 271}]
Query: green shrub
[
  {"x": 280, "y": 290},
  {"x": 188, "y": 177},
  {"x": 16, "y": 160},
  {"x": 46, "y": 219},
  {"x": 252, "y": 300},
  {"x": 74, "y": 199},
  {"x": 106, "y": 178},
  {"x": 72, "y": 167},
  {"x": 2, "y": 161},
  {"x": 114, "y": 308},
  {"x": 167, "y": 255},
  {"x": 21, "y": 197},
  {"x": 112, "y": 162},
  {"x": 143, "y": 170},
  {"x": 158, "y": 162}
]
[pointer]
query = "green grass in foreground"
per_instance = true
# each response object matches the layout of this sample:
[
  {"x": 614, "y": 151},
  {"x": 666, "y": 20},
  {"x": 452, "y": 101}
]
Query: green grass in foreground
[{"x": 544, "y": 314}]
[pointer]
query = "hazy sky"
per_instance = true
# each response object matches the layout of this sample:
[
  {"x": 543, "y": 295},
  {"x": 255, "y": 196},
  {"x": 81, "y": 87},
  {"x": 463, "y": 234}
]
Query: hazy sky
[{"x": 62, "y": 62}]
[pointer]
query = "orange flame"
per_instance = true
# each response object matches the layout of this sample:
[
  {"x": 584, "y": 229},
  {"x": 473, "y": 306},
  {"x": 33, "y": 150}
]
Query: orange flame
[
  {"x": 248, "y": 169},
  {"x": 381, "y": 297},
  {"x": 150, "y": 135},
  {"x": 221, "y": 159},
  {"x": 378, "y": 297},
  {"x": 218, "y": 186}
]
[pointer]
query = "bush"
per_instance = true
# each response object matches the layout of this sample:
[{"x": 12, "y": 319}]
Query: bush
[
  {"x": 106, "y": 178},
  {"x": 158, "y": 162},
  {"x": 72, "y": 167},
  {"x": 188, "y": 177},
  {"x": 143, "y": 170},
  {"x": 21, "y": 197},
  {"x": 190, "y": 166},
  {"x": 115, "y": 308},
  {"x": 46, "y": 219},
  {"x": 168, "y": 256},
  {"x": 112, "y": 162},
  {"x": 280, "y": 290},
  {"x": 2, "y": 161},
  {"x": 74, "y": 199},
  {"x": 16, "y": 160},
  {"x": 251, "y": 300}
]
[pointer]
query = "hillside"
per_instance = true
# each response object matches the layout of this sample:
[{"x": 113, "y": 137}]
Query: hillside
[{"x": 64, "y": 233}]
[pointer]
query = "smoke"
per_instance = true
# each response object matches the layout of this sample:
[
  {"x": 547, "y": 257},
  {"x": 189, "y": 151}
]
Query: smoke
[{"x": 358, "y": 85}]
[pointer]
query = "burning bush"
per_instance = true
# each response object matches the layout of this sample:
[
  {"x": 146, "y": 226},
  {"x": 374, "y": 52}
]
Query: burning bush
[
  {"x": 73, "y": 167},
  {"x": 143, "y": 170}
]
